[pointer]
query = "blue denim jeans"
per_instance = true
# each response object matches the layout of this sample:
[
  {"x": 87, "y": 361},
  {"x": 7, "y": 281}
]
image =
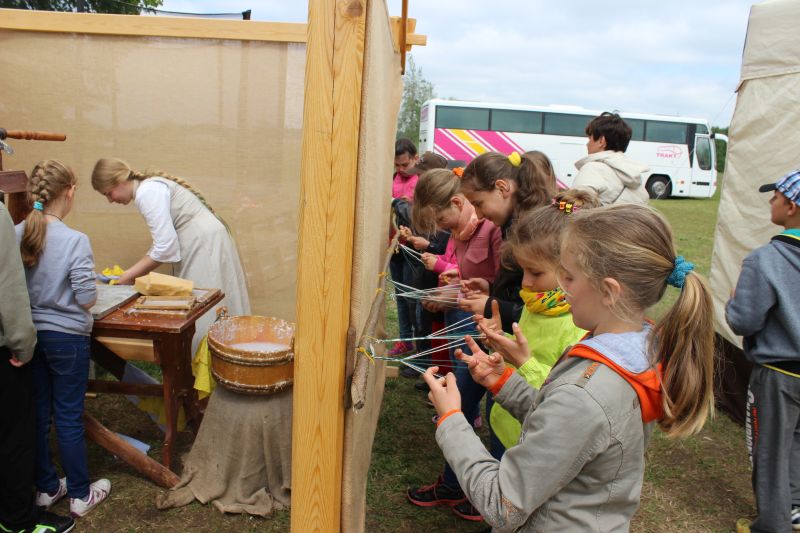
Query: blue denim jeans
[
  {"x": 60, "y": 378},
  {"x": 471, "y": 392},
  {"x": 406, "y": 307}
]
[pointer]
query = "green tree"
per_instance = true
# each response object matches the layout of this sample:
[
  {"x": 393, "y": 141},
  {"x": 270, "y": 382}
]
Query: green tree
[
  {"x": 126, "y": 7},
  {"x": 416, "y": 90},
  {"x": 721, "y": 146}
]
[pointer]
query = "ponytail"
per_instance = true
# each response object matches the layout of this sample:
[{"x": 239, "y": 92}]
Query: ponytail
[
  {"x": 49, "y": 179},
  {"x": 684, "y": 344}
]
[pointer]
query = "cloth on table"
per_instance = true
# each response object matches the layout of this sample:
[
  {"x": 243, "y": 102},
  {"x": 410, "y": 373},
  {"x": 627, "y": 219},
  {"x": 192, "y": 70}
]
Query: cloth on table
[{"x": 250, "y": 473}]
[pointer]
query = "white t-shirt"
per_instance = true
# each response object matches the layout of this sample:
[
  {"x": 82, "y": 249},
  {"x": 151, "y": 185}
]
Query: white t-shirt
[{"x": 153, "y": 202}]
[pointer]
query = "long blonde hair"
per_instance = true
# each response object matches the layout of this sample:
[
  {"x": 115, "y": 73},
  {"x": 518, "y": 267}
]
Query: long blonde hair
[
  {"x": 110, "y": 172},
  {"x": 432, "y": 193},
  {"x": 633, "y": 245},
  {"x": 49, "y": 180}
]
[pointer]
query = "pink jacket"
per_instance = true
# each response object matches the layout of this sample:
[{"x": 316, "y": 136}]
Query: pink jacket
[
  {"x": 446, "y": 261},
  {"x": 479, "y": 257},
  {"x": 403, "y": 187}
]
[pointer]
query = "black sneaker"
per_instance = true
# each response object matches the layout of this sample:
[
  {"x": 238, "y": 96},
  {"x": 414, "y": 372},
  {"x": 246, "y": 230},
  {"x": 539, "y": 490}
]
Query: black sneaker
[
  {"x": 408, "y": 372},
  {"x": 436, "y": 494},
  {"x": 422, "y": 386},
  {"x": 50, "y": 523},
  {"x": 467, "y": 511}
]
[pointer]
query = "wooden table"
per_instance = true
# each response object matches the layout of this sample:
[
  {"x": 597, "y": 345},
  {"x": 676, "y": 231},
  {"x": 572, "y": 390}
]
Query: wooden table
[{"x": 172, "y": 344}]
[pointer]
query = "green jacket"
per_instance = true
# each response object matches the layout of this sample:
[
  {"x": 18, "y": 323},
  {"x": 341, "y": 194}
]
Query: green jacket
[
  {"x": 548, "y": 337},
  {"x": 16, "y": 325}
]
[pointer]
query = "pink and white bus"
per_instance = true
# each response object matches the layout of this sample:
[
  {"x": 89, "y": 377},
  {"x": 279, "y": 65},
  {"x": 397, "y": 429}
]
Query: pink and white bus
[{"x": 678, "y": 150}]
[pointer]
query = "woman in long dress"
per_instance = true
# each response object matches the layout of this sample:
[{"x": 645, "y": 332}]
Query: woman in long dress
[{"x": 186, "y": 233}]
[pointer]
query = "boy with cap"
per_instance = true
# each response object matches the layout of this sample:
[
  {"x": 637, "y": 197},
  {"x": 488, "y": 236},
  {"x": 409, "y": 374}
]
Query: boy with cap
[{"x": 765, "y": 310}]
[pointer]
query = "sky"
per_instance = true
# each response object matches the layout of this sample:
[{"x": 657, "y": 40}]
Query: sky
[{"x": 681, "y": 57}]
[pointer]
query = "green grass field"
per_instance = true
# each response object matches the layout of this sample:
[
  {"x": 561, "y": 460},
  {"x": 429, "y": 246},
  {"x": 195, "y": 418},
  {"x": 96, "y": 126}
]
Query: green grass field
[{"x": 699, "y": 484}]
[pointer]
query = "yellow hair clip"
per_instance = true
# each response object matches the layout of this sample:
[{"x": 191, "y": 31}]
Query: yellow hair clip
[{"x": 515, "y": 159}]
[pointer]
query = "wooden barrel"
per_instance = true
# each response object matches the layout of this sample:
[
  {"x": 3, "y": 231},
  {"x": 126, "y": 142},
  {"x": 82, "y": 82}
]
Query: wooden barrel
[{"x": 252, "y": 354}]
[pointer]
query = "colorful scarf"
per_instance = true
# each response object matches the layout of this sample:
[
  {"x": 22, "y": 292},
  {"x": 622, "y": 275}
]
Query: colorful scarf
[
  {"x": 467, "y": 223},
  {"x": 550, "y": 303}
]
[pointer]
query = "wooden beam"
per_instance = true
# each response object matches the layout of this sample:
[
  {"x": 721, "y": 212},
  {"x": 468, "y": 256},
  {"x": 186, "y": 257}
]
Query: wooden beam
[
  {"x": 331, "y": 121},
  {"x": 412, "y": 39},
  {"x": 101, "y": 24}
]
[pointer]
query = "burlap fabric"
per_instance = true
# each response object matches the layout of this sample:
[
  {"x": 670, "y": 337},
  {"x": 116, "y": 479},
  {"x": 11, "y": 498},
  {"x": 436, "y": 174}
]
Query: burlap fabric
[{"x": 241, "y": 459}]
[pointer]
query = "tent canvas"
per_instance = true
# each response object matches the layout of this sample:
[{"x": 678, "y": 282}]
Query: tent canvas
[{"x": 763, "y": 139}]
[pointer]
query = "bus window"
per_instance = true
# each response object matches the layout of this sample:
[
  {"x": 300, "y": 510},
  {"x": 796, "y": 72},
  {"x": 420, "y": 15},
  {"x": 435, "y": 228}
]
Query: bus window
[
  {"x": 702, "y": 128},
  {"x": 517, "y": 121},
  {"x": 703, "y": 152},
  {"x": 462, "y": 118},
  {"x": 665, "y": 132},
  {"x": 564, "y": 124},
  {"x": 637, "y": 125}
]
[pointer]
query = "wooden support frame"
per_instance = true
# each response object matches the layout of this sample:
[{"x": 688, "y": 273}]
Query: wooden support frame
[
  {"x": 95, "y": 23},
  {"x": 331, "y": 124}
]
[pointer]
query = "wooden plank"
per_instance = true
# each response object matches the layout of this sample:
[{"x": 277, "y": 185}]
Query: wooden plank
[
  {"x": 331, "y": 119},
  {"x": 412, "y": 39},
  {"x": 101, "y": 24},
  {"x": 143, "y": 464}
]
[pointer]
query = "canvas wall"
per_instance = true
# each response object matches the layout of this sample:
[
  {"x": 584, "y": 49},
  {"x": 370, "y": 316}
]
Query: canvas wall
[{"x": 224, "y": 114}]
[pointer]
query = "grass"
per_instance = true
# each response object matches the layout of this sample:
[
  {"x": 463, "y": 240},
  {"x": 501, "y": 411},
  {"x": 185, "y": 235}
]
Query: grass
[{"x": 693, "y": 485}]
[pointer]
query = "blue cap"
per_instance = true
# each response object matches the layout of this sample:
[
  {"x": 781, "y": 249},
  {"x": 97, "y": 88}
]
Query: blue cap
[{"x": 789, "y": 186}]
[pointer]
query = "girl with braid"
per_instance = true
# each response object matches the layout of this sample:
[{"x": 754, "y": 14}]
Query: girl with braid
[
  {"x": 59, "y": 271},
  {"x": 185, "y": 230}
]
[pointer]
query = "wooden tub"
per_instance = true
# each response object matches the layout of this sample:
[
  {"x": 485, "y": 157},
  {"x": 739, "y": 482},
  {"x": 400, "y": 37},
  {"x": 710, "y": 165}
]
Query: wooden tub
[{"x": 252, "y": 354}]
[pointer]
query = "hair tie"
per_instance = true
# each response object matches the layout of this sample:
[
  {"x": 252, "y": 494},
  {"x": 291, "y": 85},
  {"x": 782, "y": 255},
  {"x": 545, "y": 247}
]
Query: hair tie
[
  {"x": 566, "y": 207},
  {"x": 515, "y": 159},
  {"x": 677, "y": 277},
  {"x": 458, "y": 171},
  {"x": 39, "y": 206}
]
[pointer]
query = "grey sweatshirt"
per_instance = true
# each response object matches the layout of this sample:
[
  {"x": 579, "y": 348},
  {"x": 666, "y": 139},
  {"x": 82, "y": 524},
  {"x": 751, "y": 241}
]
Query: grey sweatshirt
[
  {"x": 765, "y": 309},
  {"x": 579, "y": 463},
  {"x": 62, "y": 281},
  {"x": 16, "y": 328}
]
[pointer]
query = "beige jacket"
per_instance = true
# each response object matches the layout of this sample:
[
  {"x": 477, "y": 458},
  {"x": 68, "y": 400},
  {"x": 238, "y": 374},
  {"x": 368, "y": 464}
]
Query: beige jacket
[
  {"x": 615, "y": 178},
  {"x": 16, "y": 325},
  {"x": 579, "y": 463}
]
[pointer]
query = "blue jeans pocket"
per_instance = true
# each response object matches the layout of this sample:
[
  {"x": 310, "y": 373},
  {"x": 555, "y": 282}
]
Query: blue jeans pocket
[{"x": 60, "y": 357}]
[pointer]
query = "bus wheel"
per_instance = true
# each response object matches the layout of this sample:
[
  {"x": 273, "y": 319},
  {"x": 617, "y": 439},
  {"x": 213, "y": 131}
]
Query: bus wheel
[{"x": 659, "y": 187}]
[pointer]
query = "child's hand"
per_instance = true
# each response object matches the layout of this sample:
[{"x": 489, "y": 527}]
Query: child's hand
[
  {"x": 475, "y": 285},
  {"x": 429, "y": 260},
  {"x": 494, "y": 323},
  {"x": 433, "y": 307},
  {"x": 444, "y": 393},
  {"x": 448, "y": 275},
  {"x": 515, "y": 351},
  {"x": 419, "y": 243},
  {"x": 474, "y": 303},
  {"x": 484, "y": 369}
]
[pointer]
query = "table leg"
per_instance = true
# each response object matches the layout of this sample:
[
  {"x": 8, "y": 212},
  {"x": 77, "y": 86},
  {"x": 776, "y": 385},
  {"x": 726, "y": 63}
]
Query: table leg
[{"x": 168, "y": 351}]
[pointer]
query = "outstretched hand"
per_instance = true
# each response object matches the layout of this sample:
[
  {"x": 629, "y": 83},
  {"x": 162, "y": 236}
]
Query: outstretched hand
[
  {"x": 485, "y": 369},
  {"x": 475, "y": 285},
  {"x": 444, "y": 393},
  {"x": 516, "y": 351}
]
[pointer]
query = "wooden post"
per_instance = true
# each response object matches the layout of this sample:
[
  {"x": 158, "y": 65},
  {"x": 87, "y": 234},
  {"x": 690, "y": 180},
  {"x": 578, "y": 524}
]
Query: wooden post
[{"x": 331, "y": 120}]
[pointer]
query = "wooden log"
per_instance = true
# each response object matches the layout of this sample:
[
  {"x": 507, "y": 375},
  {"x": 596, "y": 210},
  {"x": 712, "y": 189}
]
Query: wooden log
[
  {"x": 151, "y": 469},
  {"x": 133, "y": 389}
]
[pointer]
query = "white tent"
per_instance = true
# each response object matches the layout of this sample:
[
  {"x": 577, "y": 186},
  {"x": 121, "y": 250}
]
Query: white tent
[{"x": 764, "y": 145}]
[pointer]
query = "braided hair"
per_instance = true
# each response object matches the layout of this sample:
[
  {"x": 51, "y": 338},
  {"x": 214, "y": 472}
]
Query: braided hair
[{"x": 48, "y": 181}]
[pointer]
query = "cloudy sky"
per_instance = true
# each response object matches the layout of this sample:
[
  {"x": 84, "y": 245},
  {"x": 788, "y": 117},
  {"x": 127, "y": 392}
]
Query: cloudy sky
[{"x": 680, "y": 57}]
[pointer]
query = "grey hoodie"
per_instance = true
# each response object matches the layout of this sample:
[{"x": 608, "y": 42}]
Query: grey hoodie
[
  {"x": 580, "y": 459},
  {"x": 766, "y": 309},
  {"x": 616, "y": 178}
]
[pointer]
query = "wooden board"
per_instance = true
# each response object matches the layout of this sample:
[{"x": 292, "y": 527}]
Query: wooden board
[
  {"x": 331, "y": 121},
  {"x": 110, "y": 298}
]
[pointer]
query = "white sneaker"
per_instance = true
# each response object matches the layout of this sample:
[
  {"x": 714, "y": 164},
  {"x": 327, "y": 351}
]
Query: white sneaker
[
  {"x": 98, "y": 491},
  {"x": 796, "y": 519},
  {"x": 46, "y": 500}
]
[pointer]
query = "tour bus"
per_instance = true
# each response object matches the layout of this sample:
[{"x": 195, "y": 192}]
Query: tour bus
[{"x": 678, "y": 150}]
